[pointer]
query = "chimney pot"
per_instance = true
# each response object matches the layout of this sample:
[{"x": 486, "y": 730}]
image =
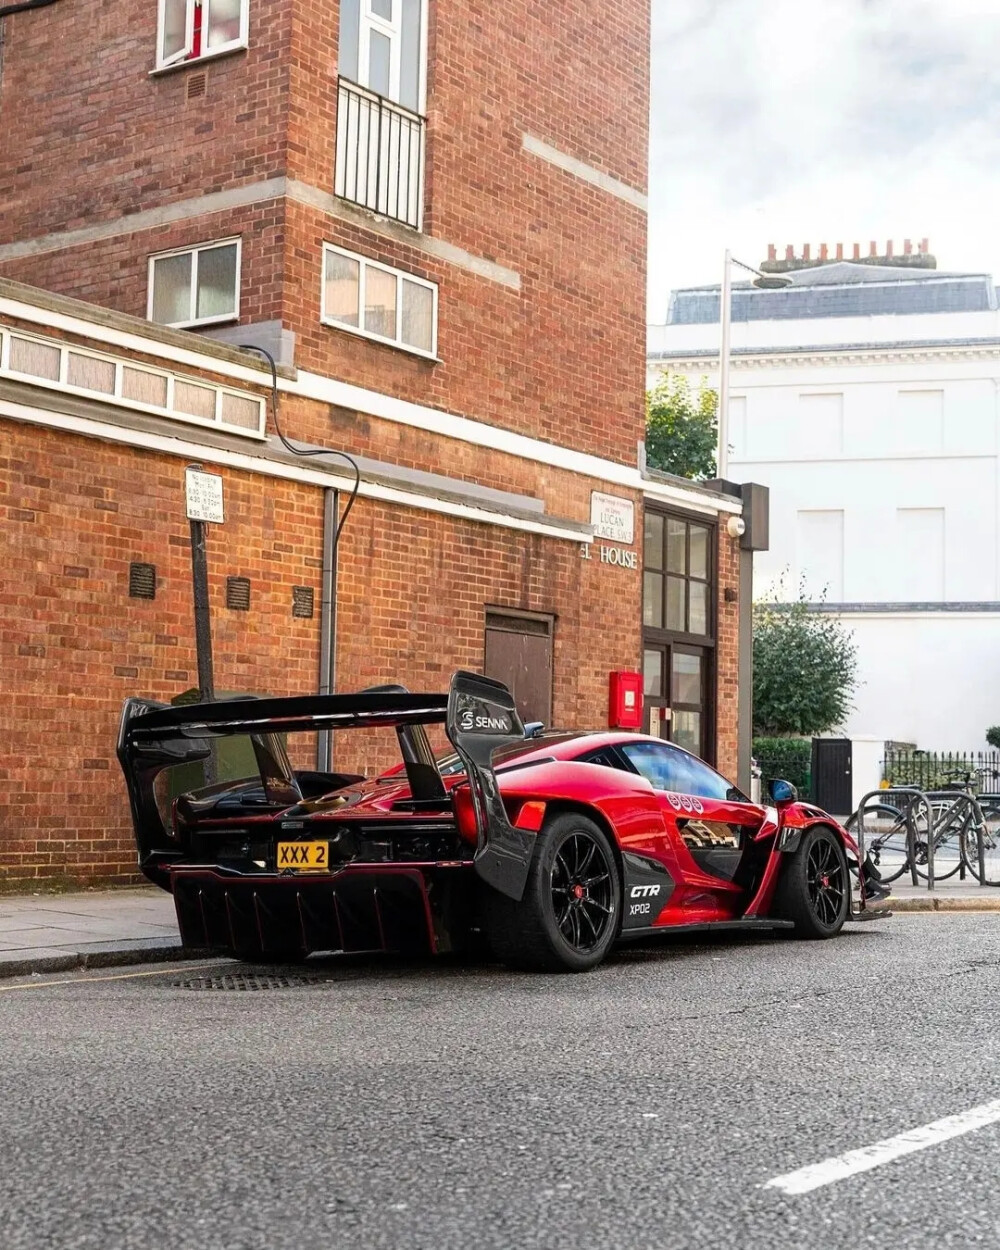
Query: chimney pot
[
  {"x": 789, "y": 252},
  {"x": 823, "y": 251},
  {"x": 907, "y": 247},
  {"x": 925, "y": 247},
  {"x": 840, "y": 251},
  {"x": 805, "y": 251},
  {"x": 857, "y": 251},
  {"x": 888, "y": 250},
  {"x": 873, "y": 248},
  {"x": 772, "y": 252}
]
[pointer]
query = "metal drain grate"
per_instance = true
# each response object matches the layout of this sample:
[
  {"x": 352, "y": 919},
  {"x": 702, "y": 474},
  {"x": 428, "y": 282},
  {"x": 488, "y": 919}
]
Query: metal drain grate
[{"x": 248, "y": 982}]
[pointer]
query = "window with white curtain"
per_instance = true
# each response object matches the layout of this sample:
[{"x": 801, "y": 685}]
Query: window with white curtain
[
  {"x": 191, "y": 30},
  {"x": 379, "y": 302},
  {"x": 197, "y": 286}
]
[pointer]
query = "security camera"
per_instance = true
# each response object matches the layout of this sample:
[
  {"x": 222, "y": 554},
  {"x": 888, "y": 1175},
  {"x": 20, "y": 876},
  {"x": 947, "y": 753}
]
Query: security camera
[{"x": 736, "y": 527}]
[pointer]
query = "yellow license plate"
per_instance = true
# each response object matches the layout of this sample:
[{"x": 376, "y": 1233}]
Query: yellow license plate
[{"x": 303, "y": 856}]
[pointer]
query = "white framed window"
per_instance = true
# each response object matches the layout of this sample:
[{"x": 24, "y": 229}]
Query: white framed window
[
  {"x": 383, "y": 46},
  {"x": 191, "y": 30},
  {"x": 378, "y": 302},
  {"x": 198, "y": 286},
  {"x": 67, "y": 368}
]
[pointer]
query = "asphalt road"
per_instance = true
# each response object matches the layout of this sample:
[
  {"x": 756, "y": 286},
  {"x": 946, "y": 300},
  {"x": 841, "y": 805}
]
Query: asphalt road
[{"x": 439, "y": 1107}]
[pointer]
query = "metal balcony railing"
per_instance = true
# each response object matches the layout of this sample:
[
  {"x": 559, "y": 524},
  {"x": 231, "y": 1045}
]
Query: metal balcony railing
[{"x": 380, "y": 154}]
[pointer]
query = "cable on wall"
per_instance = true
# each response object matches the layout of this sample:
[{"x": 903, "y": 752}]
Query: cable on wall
[
  {"x": 23, "y": 5},
  {"x": 303, "y": 451}
]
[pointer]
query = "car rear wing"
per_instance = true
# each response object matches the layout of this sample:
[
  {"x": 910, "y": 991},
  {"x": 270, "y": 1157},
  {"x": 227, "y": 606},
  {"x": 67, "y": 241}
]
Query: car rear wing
[
  {"x": 482, "y": 716},
  {"x": 479, "y": 715}
]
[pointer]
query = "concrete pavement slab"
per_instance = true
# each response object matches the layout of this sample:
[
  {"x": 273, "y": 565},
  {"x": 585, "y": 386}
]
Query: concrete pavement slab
[{"x": 51, "y": 933}]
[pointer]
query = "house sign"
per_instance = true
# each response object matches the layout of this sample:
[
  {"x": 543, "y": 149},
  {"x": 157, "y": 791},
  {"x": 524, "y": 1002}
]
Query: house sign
[{"x": 613, "y": 518}]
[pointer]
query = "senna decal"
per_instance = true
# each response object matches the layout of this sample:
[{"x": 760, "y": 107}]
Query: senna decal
[{"x": 477, "y": 720}]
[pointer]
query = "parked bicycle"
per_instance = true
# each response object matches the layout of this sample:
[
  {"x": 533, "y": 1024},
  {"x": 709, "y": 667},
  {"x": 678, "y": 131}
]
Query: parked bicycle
[{"x": 905, "y": 827}]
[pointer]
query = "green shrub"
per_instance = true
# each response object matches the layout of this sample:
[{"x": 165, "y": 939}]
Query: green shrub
[
  {"x": 789, "y": 759},
  {"x": 993, "y": 736}
]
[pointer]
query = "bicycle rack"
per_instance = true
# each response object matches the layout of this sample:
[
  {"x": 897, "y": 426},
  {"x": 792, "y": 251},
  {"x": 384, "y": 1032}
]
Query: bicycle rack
[
  {"x": 959, "y": 800},
  {"x": 920, "y": 801}
]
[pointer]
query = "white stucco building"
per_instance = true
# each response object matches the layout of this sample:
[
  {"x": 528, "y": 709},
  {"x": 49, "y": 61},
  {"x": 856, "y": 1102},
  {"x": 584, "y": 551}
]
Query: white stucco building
[{"x": 867, "y": 397}]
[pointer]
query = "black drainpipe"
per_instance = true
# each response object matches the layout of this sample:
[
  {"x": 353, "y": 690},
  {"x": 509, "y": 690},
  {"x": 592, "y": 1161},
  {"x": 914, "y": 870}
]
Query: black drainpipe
[{"x": 328, "y": 621}]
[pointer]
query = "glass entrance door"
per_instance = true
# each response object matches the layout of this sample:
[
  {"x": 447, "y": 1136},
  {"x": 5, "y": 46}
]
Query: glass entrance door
[{"x": 674, "y": 686}]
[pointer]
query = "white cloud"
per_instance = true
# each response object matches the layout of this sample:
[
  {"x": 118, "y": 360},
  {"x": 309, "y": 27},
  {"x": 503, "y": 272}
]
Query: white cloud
[{"x": 793, "y": 121}]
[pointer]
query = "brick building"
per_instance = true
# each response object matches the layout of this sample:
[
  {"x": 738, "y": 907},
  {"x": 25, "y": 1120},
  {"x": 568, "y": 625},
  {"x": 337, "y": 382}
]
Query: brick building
[{"x": 432, "y": 213}]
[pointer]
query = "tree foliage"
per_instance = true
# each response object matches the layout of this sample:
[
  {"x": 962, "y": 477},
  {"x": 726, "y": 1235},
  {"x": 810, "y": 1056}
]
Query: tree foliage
[
  {"x": 804, "y": 669},
  {"x": 993, "y": 735},
  {"x": 681, "y": 428}
]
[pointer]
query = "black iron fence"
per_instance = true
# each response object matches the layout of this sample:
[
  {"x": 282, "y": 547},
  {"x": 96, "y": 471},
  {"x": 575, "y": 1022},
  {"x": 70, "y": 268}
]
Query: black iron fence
[
  {"x": 380, "y": 154},
  {"x": 939, "y": 770}
]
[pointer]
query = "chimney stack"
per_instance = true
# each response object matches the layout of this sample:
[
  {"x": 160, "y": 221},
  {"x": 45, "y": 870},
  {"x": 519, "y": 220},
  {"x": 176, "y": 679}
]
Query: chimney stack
[{"x": 904, "y": 257}]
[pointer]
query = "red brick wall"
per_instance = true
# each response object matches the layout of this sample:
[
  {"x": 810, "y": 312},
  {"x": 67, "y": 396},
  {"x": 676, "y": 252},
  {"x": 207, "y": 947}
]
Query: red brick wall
[
  {"x": 113, "y": 272},
  {"x": 727, "y": 653},
  {"x": 89, "y": 135},
  {"x": 562, "y": 359},
  {"x": 413, "y": 586}
]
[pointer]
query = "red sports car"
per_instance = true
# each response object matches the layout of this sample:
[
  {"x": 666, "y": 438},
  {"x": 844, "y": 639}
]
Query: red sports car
[{"x": 552, "y": 847}]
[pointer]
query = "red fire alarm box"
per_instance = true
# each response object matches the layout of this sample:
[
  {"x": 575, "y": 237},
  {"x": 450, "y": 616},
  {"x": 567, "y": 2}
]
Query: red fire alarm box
[{"x": 625, "y": 701}]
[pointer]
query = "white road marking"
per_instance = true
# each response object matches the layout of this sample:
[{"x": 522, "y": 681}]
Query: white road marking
[{"x": 836, "y": 1169}]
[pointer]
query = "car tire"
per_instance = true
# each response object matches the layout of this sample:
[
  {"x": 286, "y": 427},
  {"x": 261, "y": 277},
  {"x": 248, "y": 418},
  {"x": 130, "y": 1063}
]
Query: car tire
[
  {"x": 814, "y": 890},
  {"x": 570, "y": 913}
]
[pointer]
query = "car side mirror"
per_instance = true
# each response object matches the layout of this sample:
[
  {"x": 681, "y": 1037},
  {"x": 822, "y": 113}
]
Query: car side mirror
[{"x": 781, "y": 791}]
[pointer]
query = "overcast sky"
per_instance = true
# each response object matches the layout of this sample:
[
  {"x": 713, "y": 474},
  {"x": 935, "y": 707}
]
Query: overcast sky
[{"x": 793, "y": 121}]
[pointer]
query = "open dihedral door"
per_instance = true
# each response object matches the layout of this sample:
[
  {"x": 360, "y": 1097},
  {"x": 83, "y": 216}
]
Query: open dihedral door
[{"x": 482, "y": 717}]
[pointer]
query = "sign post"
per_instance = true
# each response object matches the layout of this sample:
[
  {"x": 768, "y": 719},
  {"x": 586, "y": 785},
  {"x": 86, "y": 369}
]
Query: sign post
[{"x": 204, "y": 505}]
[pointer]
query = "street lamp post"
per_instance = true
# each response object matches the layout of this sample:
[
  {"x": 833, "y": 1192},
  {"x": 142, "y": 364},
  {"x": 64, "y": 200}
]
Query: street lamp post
[{"x": 766, "y": 282}]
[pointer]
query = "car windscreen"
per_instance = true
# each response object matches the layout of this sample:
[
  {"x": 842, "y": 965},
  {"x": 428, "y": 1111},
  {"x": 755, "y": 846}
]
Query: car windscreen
[{"x": 667, "y": 767}]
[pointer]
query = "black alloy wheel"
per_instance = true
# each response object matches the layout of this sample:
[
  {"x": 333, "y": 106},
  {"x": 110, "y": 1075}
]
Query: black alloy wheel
[
  {"x": 582, "y": 891},
  {"x": 814, "y": 890},
  {"x": 570, "y": 913},
  {"x": 826, "y": 880}
]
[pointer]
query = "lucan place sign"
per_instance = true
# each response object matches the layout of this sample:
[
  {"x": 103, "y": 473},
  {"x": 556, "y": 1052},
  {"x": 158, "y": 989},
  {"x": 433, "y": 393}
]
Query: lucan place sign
[{"x": 613, "y": 518}]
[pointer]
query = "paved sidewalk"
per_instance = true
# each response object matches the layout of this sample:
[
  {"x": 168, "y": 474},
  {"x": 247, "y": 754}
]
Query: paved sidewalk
[
  {"x": 100, "y": 928},
  {"x": 950, "y": 895},
  {"x": 96, "y": 928}
]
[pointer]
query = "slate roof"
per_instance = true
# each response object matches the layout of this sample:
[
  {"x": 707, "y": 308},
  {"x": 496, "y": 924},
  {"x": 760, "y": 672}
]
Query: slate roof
[{"x": 842, "y": 289}]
